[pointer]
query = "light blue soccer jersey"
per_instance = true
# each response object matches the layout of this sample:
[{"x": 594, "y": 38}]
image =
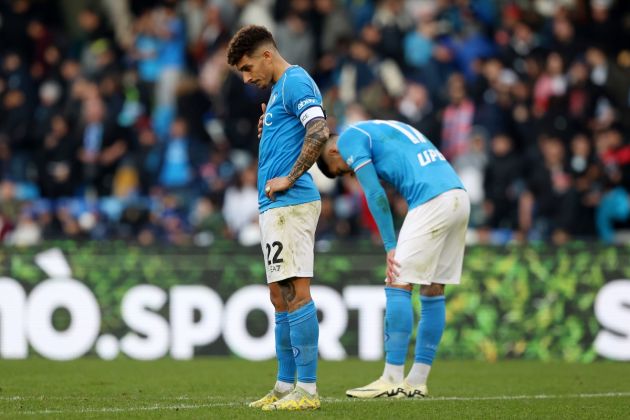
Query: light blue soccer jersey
[
  {"x": 402, "y": 156},
  {"x": 283, "y": 136}
]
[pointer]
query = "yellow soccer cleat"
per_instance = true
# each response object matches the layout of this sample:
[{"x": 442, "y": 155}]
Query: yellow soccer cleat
[
  {"x": 297, "y": 400},
  {"x": 380, "y": 388},
  {"x": 272, "y": 396},
  {"x": 415, "y": 391}
]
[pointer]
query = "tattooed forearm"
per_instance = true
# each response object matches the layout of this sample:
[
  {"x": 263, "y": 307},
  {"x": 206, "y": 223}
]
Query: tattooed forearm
[{"x": 316, "y": 136}]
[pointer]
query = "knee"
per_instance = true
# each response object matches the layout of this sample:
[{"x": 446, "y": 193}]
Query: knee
[
  {"x": 277, "y": 300},
  {"x": 431, "y": 290},
  {"x": 404, "y": 286},
  {"x": 301, "y": 296}
]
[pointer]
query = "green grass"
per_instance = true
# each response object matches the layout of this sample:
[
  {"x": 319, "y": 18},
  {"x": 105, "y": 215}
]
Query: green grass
[{"x": 220, "y": 388}]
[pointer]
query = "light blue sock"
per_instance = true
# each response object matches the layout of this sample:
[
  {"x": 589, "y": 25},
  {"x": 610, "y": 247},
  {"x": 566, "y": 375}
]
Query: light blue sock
[
  {"x": 284, "y": 352},
  {"x": 430, "y": 328},
  {"x": 398, "y": 324},
  {"x": 304, "y": 335}
]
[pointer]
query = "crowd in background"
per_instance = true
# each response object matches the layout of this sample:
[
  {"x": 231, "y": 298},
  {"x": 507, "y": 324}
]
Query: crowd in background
[{"x": 122, "y": 119}]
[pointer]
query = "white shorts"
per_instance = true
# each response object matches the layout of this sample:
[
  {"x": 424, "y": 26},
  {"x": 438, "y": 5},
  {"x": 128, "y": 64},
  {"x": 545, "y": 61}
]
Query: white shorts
[
  {"x": 432, "y": 239},
  {"x": 288, "y": 240}
]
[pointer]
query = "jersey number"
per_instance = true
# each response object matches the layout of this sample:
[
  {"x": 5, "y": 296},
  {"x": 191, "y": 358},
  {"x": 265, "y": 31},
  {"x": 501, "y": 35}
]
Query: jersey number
[
  {"x": 411, "y": 133},
  {"x": 276, "y": 256},
  {"x": 427, "y": 156}
]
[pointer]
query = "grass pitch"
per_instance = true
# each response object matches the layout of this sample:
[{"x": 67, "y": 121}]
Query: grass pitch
[{"x": 221, "y": 387}]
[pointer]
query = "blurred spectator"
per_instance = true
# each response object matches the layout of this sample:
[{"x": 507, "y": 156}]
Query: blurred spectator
[
  {"x": 177, "y": 169},
  {"x": 14, "y": 131},
  {"x": 145, "y": 54},
  {"x": 502, "y": 178},
  {"x": 491, "y": 94},
  {"x": 471, "y": 169},
  {"x": 580, "y": 96},
  {"x": 171, "y": 36},
  {"x": 240, "y": 208},
  {"x": 614, "y": 206},
  {"x": 207, "y": 222},
  {"x": 331, "y": 26},
  {"x": 295, "y": 39},
  {"x": 564, "y": 39},
  {"x": 584, "y": 170},
  {"x": 26, "y": 233},
  {"x": 356, "y": 71},
  {"x": 418, "y": 109},
  {"x": 457, "y": 120},
  {"x": 551, "y": 84},
  {"x": 94, "y": 48},
  {"x": 58, "y": 165},
  {"x": 603, "y": 29},
  {"x": 211, "y": 35},
  {"x": 614, "y": 80},
  {"x": 102, "y": 146},
  {"x": 9, "y": 207},
  {"x": 389, "y": 25},
  {"x": 548, "y": 205},
  {"x": 49, "y": 105},
  {"x": 523, "y": 43},
  {"x": 418, "y": 47},
  {"x": 218, "y": 172}
]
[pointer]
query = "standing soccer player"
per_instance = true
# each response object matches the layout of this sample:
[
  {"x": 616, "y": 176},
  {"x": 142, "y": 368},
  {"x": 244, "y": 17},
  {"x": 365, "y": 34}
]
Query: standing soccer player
[
  {"x": 294, "y": 131},
  {"x": 430, "y": 248}
]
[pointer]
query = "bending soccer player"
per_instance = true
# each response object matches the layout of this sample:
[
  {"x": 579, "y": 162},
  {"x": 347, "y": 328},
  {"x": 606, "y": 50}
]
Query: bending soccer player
[
  {"x": 430, "y": 247},
  {"x": 294, "y": 131}
]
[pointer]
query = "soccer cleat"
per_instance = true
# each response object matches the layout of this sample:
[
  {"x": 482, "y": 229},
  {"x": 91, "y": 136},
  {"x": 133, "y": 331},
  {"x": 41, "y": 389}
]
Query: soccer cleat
[
  {"x": 298, "y": 399},
  {"x": 380, "y": 388},
  {"x": 272, "y": 396},
  {"x": 415, "y": 391}
]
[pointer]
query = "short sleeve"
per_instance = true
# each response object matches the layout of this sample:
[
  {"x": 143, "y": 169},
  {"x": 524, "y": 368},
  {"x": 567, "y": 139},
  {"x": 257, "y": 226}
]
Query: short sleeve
[
  {"x": 355, "y": 147},
  {"x": 301, "y": 95}
]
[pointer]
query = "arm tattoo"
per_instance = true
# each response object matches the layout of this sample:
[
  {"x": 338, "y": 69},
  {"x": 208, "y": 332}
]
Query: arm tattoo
[{"x": 316, "y": 136}]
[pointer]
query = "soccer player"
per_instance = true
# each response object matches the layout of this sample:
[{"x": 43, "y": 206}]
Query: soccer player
[
  {"x": 294, "y": 131},
  {"x": 430, "y": 247}
]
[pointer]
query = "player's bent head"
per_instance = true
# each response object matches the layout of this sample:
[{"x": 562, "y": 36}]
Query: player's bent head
[
  {"x": 252, "y": 51},
  {"x": 325, "y": 162},
  {"x": 247, "y": 41}
]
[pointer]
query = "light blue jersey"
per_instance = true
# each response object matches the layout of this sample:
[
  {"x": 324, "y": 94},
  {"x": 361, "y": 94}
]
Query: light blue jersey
[
  {"x": 283, "y": 136},
  {"x": 402, "y": 156}
]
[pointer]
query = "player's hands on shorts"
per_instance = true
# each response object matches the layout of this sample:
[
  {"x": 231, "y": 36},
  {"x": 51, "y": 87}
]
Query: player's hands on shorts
[
  {"x": 261, "y": 119},
  {"x": 393, "y": 267},
  {"x": 277, "y": 185}
]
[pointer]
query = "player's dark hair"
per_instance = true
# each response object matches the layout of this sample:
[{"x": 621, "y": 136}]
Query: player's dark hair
[
  {"x": 323, "y": 166},
  {"x": 246, "y": 41},
  {"x": 321, "y": 163}
]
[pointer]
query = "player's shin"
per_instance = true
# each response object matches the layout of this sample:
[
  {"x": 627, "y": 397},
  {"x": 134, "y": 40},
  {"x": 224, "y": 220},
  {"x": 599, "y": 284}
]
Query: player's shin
[
  {"x": 398, "y": 325},
  {"x": 304, "y": 336},
  {"x": 284, "y": 354},
  {"x": 430, "y": 329}
]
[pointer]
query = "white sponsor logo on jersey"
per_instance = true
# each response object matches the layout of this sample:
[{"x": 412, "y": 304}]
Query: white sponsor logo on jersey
[{"x": 305, "y": 102}]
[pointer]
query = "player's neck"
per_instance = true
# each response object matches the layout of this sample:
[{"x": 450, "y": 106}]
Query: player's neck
[{"x": 279, "y": 67}]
